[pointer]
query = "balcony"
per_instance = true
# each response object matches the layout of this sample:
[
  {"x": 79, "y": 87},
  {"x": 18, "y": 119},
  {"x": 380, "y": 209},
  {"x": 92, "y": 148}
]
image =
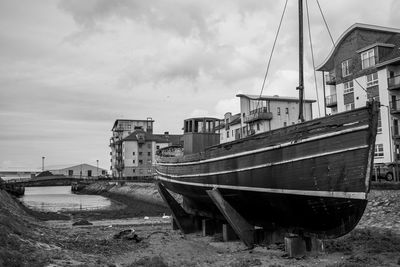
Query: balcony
[
  {"x": 330, "y": 80},
  {"x": 394, "y": 82},
  {"x": 331, "y": 101},
  {"x": 258, "y": 114},
  {"x": 119, "y": 166}
]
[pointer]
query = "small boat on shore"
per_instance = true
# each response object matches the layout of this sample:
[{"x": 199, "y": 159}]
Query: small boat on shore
[{"x": 312, "y": 177}]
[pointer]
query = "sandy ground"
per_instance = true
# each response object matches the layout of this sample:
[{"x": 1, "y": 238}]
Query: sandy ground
[{"x": 28, "y": 242}]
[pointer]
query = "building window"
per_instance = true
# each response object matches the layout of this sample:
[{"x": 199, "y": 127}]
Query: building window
[
  {"x": 258, "y": 126},
  {"x": 368, "y": 59},
  {"x": 287, "y": 110},
  {"x": 149, "y": 145},
  {"x": 279, "y": 111},
  {"x": 379, "y": 150},
  {"x": 284, "y": 124},
  {"x": 149, "y": 154},
  {"x": 134, "y": 161},
  {"x": 349, "y": 106},
  {"x": 140, "y": 153},
  {"x": 346, "y": 68},
  {"x": 348, "y": 87},
  {"x": 372, "y": 79},
  {"x": 227, "y": 134},
  {"x": 140, "y": 161},
  {"x": 157, "y": 147},
  {"x": 133, "y": 153},
  {"x": 133, "y": 170},
  {"x": 379, "y": 129}
]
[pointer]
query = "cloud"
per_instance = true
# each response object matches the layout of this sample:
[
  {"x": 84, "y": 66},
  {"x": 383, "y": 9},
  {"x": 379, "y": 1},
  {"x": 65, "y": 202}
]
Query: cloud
[{"x": 68, "y": 70}]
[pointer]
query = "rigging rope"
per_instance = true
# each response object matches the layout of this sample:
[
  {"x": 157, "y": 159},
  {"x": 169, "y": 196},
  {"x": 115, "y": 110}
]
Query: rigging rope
[
  {"x": 326, "y": 24},
  {"x": 312, "y": 56},
  {"x": 272, "y": 52},
  {"x": 334, "y": 45}
]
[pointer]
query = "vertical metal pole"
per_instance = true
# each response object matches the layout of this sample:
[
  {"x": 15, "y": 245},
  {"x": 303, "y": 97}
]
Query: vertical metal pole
[
  {"x": 323, "y": 85},
  {"x": 43, "y": 163},
  {"x": 97, "y": 170},
  {"x": 301, "y": 74}
]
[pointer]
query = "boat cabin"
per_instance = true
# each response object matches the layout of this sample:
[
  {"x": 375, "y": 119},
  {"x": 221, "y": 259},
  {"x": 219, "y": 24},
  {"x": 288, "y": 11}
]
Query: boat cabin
[{"x": 199, "y": 133}]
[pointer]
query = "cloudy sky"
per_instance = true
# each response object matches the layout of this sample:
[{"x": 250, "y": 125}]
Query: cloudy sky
[{"x": 70, "y": 68}]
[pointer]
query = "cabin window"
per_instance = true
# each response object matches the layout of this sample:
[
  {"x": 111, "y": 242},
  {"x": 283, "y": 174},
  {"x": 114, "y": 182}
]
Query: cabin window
[
  {"x": 348, "y": 87},
  {"x": 346, "y": 68},
  {"x": 372, "y": 79},
  {"x": 379, "y": 150},
  {"x": 368, "y": 59},
  {"x": 349, "y": 106},
  {"x": 279, "y": 111}
]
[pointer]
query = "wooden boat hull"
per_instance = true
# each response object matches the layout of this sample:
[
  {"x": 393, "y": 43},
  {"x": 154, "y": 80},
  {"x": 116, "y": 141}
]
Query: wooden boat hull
[{"x": 311, "y": 177}]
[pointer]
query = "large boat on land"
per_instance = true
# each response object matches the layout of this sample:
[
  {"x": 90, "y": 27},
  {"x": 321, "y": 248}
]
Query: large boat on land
[{"x": 312, "y": 177}]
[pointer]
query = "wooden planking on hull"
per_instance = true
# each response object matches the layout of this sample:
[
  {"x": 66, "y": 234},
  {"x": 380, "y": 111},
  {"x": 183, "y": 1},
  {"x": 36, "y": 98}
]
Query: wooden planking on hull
[
  {"x": 294, "y": 133},
  {"x": 312, "y": 177},
  {"x": 310, "y": 215}
]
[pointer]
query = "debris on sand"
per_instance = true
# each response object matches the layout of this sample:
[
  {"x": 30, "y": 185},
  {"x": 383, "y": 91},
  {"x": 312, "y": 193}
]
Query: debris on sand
[
  {"x": 128, "y": 234},
  {"x": 82, "y": 222}
]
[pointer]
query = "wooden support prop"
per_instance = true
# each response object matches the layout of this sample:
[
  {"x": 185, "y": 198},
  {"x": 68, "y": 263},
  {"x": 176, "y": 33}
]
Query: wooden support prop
[
  {"x": 295, "y": 246},
  {"x": 242, "y": 228},
  {"x": 298, "y": 246},
  {"x": 182, "y": 219},
  {"x": 228, "y": 234}
]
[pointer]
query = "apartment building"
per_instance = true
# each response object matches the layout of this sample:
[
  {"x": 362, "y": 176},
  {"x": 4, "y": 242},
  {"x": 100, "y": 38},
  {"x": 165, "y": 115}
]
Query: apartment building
[
  {"x": 121, "y": 129},
  {"x": 262, "y": 113},
  {"x": 133, "y": 148},
  {"x": 365, "y": 65}
]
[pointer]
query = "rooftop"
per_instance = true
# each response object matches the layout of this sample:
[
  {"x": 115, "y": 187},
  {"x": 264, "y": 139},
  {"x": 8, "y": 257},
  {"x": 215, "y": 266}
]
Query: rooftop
[
  {"x": 274, "y": 98},
  {"x": 326, "y": 64}
]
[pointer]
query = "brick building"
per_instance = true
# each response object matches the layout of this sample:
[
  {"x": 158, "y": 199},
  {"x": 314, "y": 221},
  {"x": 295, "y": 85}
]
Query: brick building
[{"x": 365, "y": 64}]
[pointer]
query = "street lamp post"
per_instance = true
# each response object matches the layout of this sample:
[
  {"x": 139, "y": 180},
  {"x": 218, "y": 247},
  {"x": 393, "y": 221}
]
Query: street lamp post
[
  {"x": 43, "y": 163},
  {"x": 97, "y": 161}
]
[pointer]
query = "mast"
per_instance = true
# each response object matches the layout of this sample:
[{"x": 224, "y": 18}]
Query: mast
[{"x": 301, "y": 74}]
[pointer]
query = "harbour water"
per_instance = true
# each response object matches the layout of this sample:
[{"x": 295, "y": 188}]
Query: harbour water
[{"x": 60, "y": 198}]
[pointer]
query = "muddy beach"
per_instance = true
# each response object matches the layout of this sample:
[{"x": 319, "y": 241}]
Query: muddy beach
[{"x": 46, "y": 239}]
